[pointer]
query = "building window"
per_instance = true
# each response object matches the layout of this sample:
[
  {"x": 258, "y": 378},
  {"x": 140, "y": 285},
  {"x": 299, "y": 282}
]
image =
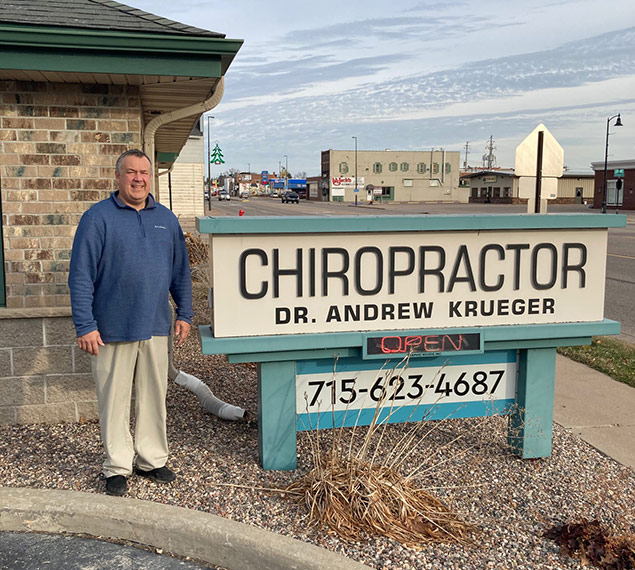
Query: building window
[
  {"x": 392, "y": 166},
  {"x": 474, "y": 192},
  {"x": 448, "y": 168},
  {"x": 377, "y": 168},
  {"x": 421, "y": 168},
  {"x": 343, "y": 168},
  {"x": 497, "y": 192},
  {"x": 483, "y": 192},
  {"x": 435, "y": 168},
  {"x": 507, "y": 192},
  {"x": 404, "y": 166}
]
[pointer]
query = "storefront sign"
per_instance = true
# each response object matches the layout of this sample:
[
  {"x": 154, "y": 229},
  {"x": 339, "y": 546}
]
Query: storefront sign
[
  {"x": 335, "y": 282},
  {"x": 340, "y": 182}
]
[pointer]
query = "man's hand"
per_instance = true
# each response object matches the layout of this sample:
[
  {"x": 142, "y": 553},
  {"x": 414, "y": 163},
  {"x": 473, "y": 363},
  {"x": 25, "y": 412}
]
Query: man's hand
[
  {"x": 90, "y": 342},
  {"x": 181, "y": 330}
]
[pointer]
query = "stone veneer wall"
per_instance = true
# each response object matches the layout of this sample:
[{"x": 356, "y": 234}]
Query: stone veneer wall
[{"x": 58, "y": 147}]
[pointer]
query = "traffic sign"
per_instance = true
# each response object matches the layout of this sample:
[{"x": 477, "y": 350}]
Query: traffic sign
[{"x": 527, "y": 155}]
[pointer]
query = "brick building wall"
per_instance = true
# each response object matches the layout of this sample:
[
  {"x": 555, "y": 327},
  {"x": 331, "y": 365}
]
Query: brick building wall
[
  {"x": 628, "y": 187},
  {"x": 58, "y": 148}
]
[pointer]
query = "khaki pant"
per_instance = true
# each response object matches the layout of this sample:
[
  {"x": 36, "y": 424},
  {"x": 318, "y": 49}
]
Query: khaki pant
[{"x": 115, "y": 368}]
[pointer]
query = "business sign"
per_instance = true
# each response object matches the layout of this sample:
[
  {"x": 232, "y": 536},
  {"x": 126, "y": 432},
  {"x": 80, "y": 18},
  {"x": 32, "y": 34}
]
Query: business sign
[
  {"x": 427, "y": 343},
  {"x": 264, "y": 176},
  {"x": 276, "y": 284},
  {"x": 339, "y": 182},
  {"x": 432, "y": 389},
  {"x": 296, "y": 183}
]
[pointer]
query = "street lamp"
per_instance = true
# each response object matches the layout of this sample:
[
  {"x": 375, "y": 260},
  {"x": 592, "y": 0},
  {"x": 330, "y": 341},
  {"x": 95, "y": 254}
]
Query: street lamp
[
  {"x": 209, "y": 162},
  {"x": 356, "y": 190},
  {"x": 286, "y": 172},
  {"x": 618, "y": 123}
]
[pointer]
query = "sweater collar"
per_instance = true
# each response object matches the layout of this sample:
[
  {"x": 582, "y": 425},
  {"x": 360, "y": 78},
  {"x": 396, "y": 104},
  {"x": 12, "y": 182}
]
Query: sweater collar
[{"x": 150, "y": 201}]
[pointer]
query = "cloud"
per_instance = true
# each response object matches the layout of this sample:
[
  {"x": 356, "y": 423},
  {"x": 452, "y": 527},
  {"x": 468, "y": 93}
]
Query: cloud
[
  {"x": 470, "y": 102},
  {"x": 287, "y": 77}
]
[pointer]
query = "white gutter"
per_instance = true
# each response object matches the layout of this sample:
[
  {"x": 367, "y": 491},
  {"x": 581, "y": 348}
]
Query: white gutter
[{"x": 197, "y": 109}]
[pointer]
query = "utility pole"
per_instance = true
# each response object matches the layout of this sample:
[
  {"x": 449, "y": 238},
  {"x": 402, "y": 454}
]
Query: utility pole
[
  {"x": 467, "y": 148},
  {"x": 286, "y": 172},
  {"x": 209, "y": 163},
  {"x": 356, "y": 190}
]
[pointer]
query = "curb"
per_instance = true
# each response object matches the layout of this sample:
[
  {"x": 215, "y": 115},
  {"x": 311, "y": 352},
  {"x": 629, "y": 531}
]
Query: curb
[{"x": 202, "y": 536}]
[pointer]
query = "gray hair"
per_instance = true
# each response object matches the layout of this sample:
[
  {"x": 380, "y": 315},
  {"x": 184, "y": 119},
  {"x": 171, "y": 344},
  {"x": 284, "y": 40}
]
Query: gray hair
[{"x": 132, "y": 152}]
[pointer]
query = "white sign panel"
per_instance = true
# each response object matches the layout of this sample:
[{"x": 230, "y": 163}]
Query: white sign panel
[
  {"x": 318, "y": 283},
  {"x": 414, "y": 386},
  {"x": 527, "y": 187}
]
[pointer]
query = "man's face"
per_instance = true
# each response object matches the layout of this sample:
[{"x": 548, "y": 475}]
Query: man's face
[{"x": 134, "y": 181}]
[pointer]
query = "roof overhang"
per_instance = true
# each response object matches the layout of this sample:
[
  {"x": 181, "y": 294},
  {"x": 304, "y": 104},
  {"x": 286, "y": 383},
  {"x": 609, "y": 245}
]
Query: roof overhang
[
  {"x": 487, "y": 173},
  {"x": 171, "y": 70},
  {"x": 613, "y": 164}
]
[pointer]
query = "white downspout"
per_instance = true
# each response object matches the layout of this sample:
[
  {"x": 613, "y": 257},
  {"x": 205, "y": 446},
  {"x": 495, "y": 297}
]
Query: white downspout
[
  {"x": 192, "y": 383},
  {"x": 197, "y": 109}
]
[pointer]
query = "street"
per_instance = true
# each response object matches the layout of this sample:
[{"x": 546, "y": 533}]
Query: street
[{"x": 620, "y": 271}]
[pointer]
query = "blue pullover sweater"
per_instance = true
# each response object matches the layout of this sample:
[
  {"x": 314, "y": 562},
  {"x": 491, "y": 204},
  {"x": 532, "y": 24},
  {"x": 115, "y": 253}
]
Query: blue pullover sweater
[{"x": 124, "y": 265}]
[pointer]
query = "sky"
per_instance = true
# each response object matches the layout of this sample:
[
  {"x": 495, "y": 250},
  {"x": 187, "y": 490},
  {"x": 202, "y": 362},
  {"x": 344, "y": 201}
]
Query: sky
[{"x": 418, "y": 75}]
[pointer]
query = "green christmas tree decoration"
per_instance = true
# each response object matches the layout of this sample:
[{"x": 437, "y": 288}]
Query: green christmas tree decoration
[{"x": 217, "y": 156}]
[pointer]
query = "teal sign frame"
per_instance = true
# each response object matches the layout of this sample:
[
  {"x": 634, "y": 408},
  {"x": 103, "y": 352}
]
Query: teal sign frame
[{"x": 281, "y": 358}]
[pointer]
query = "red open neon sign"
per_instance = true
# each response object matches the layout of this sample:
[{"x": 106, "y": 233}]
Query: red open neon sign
[{"x": 425, "y": 343}]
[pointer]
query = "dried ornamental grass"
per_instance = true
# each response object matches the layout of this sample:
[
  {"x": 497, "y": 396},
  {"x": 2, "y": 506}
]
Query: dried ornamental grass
[
  {"x": 360, "y": 494},
  {"x": 197, "y": 249},
  {"x": 354, "y": 498}
]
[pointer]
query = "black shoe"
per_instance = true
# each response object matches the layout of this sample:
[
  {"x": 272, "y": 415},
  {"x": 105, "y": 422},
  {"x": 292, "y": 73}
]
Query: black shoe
[
  {"x": 159, "y": 475},
  {"x": 116, "y": 485}
]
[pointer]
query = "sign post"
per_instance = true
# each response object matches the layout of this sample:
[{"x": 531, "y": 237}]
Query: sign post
[{"x": 443, "y": 316}]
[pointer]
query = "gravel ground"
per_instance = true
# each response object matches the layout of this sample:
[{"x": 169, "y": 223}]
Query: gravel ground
[{"x": 512, "y": 501}]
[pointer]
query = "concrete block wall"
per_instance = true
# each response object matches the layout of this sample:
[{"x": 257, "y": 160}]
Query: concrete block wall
[
  {"x": 44, "y": 377},
  {"x": 58, "y": 148}
]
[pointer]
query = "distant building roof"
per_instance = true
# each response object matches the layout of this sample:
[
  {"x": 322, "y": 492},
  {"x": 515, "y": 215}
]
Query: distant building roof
[
  {"x": 96, "y": 14},
  {"x": 488, "y": 173},
  {"x": 627, "y": 164},
  {"x": 578, "y": 174}
]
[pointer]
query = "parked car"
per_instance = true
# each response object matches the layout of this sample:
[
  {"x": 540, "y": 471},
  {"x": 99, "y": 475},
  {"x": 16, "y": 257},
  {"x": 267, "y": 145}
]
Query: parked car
[
  {"x": 290, "y": 197},
  {"x": 223, "y": 195}
]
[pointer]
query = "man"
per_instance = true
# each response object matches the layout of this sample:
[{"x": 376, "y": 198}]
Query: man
[{"x": 129, "y": 254}]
